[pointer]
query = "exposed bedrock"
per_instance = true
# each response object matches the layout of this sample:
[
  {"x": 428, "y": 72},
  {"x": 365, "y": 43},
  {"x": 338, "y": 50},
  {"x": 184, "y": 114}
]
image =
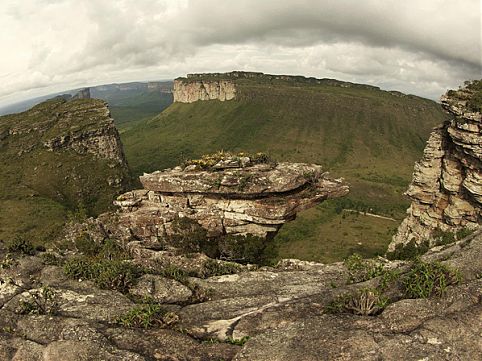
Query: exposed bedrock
[
  {"x": 446, "y": 190},
  {"x": 232, "y": 198}
]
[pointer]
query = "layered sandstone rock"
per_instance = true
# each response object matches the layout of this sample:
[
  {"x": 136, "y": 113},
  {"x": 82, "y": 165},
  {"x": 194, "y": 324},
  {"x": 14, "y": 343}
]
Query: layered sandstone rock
[
  {"x": 85, "y": 126},
  {"x": 446, "y": 189},
  {"x": 234, "y": 196},
  {"x": 191, "y": 91}
]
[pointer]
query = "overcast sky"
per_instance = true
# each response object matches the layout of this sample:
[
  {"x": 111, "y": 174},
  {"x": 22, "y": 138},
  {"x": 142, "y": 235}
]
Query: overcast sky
[{"x": 421, "y": 47}]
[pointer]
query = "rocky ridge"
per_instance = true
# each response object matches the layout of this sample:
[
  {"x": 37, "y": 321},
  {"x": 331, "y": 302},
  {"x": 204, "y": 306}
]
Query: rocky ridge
[{"x": 446, "y": 190}]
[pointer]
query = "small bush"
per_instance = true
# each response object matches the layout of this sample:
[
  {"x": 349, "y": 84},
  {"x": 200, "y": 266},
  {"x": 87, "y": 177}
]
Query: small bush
[
  {"x": 107, "y": 274},
  {"x": 21, "y": 245},
  {"x": 42, "y": 302},
  {"x": 366, "y": 302},
  {"x": 147, "y": 316},
  {"x": 462, "y": 233},
  {"x": 248, "y": 249},
  {"x": 442, "y": 237},
  {"x": 426, "y": 279},
  {"x": 237, "y": 341},
  {"x": 409, "y": 251},
  {"x": 189, "y": 236},
  {"x": 361, "y": 269},
  {"x": 51, "y": 259},
  {"x": 219, "y": 268}
]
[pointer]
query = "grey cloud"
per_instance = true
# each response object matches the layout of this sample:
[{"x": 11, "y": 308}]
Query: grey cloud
[{"x": 418, "y": 46}]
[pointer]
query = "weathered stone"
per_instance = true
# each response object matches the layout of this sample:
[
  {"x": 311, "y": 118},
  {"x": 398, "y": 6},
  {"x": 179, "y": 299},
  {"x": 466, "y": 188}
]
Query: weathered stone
[
  {"x": 258, "y": 199},
  {"x": 162, "y": 290},
  {"x": 191, "y": 91},
  {"x": 446, "y": 189}
]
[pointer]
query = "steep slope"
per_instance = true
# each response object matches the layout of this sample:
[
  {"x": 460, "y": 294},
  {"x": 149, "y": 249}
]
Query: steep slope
[
  {"x": 57, "y": 158},
  {"x": 371, "y": 137},
  {"x": 446, "y": 190}
]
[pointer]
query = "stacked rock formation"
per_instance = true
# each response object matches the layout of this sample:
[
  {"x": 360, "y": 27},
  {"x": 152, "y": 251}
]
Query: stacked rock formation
[
  {"x": 233, "y": 197},
  {"x": 446, "y": 189}
]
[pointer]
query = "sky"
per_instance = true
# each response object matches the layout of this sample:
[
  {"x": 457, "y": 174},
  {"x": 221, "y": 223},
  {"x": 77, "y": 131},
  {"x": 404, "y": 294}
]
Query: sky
[{"x": 422, "y": 47}]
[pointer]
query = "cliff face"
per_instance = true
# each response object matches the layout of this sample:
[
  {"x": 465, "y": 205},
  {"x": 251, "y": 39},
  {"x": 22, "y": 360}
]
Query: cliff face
[
  {"x": 222, "y": 86},
  {"x": 85, "y": 127},
  {"x": 191, "y": 91},
  {"x": 446, "y": 189},
  {"x": 62, "y": 156}
]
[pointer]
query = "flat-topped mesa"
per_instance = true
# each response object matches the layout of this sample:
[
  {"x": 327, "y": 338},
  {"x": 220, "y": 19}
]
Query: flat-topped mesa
[
  {"x": 235, "y": 196},
  {"x": 224, "y": 86},
  {"x": 446, "y": 189}
]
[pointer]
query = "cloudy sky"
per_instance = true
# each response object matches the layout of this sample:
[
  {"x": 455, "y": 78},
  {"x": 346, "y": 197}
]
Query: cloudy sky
[{"x": 421, "y": 47}]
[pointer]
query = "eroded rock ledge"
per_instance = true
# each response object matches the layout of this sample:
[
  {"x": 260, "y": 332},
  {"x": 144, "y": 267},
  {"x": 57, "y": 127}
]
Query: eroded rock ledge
[
  {"x": 446, "y": 189},
  {"x": 235, "y": 196}
]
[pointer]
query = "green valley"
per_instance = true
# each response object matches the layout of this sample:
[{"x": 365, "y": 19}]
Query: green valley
[{"x": 369, "y": 136}]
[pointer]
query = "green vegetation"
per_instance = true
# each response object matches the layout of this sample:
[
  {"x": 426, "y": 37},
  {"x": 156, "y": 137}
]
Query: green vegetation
[
  {"x": 426, "y": 279},
  {"x": 144, "y": 316},
  {"x": 237, "y": 341},
  {"x": 108, "y": 274},
  {"x": 208, "y": 161},
  {"x": 39, "y": 302},
  {"x": 422, "y": 280},
  {"x": 328, "y": 234},
  {"x": 130, "y": 106},
  {"x": 40, "y": 188},
  {"x": 366, "y": 302},
  {"x": 409, "y": 251},
  {"x": 363, "y": 269},
  {"x": 248, "y": 249},
  {"x": 20, "y": 245},
  {"x": 370, "y": 137}
]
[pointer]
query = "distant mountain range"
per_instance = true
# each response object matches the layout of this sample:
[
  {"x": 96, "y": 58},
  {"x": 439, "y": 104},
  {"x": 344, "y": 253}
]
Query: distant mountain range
[{"x": 115, "y": 94}]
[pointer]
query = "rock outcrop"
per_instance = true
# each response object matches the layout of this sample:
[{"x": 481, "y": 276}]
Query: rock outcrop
[
  {"x": 86, "y": 127},
  {"x": 283, "y": 310},
  {"x": 188, "y": 91},
  {"x": 235, "y": 196},
  {"x": 446, "y": 189}
]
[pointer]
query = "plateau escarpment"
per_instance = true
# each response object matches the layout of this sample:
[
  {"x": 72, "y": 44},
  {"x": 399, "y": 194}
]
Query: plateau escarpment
[
  {"x": 192, "y": 91},
  {"x": 224, "y": 86},
  {"x": 446, "y": 190},
  {"x": 60, "y": 156}
]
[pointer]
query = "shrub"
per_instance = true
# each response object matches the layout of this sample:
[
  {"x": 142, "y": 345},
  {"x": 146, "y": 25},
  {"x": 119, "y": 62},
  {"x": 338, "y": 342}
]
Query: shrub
[
  {"x": 218, "y": 268},
  {"x": 21, "y": 245},
  {"x": 146, "y": 316},
  {"x": 409, "y": 251},
  {"x": 108, "y": 274},
  {"x": 464, "y": 232},
  {"x": 362, "y": 270},
  {"x": 248, "y": 249},
  {"x": 51, "y": 259},
  {"x": 443, "y": 237},
  {"x": 40, "y": 302},
  {"x": 426, "y": 279},
  {"x": 237, "y": 341},
  {"x": 366, "y": 302},
  {"x": 189, "y": 236}
]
